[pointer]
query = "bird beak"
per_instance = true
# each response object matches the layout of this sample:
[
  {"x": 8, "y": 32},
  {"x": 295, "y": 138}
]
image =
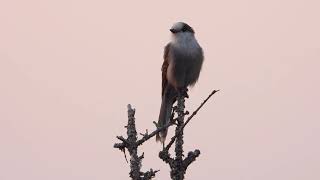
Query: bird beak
[{"x": 173, "y": 30}]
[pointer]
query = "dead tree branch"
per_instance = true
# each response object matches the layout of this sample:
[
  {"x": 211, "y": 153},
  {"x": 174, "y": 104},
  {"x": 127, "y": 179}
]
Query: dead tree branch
[
  {"x": 131, "y": 144},
  {"x": 189, "y": 118},
  {"x": 178, "y": 165}
]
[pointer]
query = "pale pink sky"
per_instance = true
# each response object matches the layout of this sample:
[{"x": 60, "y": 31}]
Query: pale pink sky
[{"x": 68, "y": 69}]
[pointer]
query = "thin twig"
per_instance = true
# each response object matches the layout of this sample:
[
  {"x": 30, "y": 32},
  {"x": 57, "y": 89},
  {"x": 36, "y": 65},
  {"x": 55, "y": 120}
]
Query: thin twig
[
  {"x": 189, "y": 118},
  {"x": 148, "y": 136}
]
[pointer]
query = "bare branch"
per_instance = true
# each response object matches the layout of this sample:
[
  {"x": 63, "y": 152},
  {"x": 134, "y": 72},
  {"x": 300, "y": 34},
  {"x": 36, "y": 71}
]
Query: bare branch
[
  {"x": 148, "y": 136},
  {"x": 196, "y": 111},
  {"x": 132, "y": 144},
  {"x": 179, "y": 164},
  {"x": 190, "y": 158},
  {"x": 149, "y": 174},
  {"x": 190, "y": 117}
]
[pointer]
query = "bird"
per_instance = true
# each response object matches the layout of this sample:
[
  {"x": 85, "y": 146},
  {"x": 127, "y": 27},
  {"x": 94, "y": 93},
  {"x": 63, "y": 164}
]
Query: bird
[{"x": 183, "y": 59}]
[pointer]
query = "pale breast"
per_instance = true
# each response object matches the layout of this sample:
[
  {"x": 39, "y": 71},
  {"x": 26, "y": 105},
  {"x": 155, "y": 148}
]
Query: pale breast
[{"x": 185, "y": 59}]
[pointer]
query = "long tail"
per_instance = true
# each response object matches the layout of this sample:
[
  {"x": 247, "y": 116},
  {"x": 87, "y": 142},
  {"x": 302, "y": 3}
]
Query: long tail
[{"x": 165, "y": 113}]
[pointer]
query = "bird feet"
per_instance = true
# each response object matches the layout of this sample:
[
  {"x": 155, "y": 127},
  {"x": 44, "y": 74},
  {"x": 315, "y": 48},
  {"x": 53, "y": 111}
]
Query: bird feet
[{"x": 184, "y": 92}]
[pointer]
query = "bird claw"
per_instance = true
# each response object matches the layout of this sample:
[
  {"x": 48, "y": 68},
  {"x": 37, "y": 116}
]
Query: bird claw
[{"x": 184, "y": 92}]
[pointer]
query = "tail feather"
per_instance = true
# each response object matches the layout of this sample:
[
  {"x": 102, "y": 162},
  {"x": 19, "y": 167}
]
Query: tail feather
[{"x": 165, "y": 115}]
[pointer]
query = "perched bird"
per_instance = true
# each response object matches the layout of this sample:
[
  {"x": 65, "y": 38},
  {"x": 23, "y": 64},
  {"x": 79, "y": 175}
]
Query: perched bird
[{"x": 181, "y": 67}]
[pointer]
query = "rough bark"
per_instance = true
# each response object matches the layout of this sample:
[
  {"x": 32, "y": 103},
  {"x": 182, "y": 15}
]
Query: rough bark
[
  {"x": 131, "y": 143},
  {"x": 179, "y": 164}
]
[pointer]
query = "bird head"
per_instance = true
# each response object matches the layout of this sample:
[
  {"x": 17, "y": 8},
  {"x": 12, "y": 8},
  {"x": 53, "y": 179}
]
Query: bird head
[{"x": 181, "y": 27}]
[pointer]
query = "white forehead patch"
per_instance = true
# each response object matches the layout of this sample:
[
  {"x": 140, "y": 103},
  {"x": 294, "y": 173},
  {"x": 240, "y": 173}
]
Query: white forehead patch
[{"x": 178, "y": 26}]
